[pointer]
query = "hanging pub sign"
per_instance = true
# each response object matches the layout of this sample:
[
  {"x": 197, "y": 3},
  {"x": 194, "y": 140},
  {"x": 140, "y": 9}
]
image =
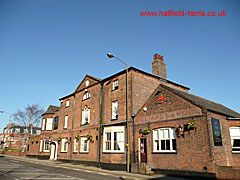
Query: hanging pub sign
[
  {"x": 160, "y": 98},
  {"x": 217, "y": 137}
]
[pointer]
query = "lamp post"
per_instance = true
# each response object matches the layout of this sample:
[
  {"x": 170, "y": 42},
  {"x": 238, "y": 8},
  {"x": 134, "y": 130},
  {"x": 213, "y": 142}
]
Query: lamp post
[
  {"x": 10, "y": 115},
  {"x": 127, "y": 144}
]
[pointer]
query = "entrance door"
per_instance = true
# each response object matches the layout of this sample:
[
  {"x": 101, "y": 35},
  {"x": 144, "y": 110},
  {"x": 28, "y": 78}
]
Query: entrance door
[
  {"x": 143, "y": 150},
  {"x": 52, "y": 154}
]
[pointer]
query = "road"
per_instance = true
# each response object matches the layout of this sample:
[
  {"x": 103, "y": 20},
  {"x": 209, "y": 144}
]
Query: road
[
  {"x": 12, "y": 169},
  {"x": 16, "y": 170}
]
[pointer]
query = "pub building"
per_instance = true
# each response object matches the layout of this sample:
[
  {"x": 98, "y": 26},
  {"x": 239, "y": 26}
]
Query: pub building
[{"x": 171, "y": 131}]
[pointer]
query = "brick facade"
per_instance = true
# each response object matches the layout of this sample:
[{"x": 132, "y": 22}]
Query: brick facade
[{"x": 153, "y": 102}]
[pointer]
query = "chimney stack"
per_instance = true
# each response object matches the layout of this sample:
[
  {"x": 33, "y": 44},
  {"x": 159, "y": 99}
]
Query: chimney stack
[{"x": 159, "y": 66}]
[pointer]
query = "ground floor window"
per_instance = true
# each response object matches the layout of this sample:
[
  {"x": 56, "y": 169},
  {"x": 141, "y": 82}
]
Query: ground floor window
[
  {"x": 235, "y": 139},
  {"x": 46, "y": 145},
  {"x": 41, "y": 144},
  {"x": 64, "y": 145},
  {"x": 113, "y": 139},
  {"x": 75, "y": 145},
  {"x": 84, "y": 144},
  {"x": 164, "y": 140}
]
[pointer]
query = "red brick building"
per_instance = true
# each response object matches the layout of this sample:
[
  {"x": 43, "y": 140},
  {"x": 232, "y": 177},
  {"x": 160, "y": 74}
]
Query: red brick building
[
  {"x": 16, "y": 136},
  {"x": 170, "y": 130}
]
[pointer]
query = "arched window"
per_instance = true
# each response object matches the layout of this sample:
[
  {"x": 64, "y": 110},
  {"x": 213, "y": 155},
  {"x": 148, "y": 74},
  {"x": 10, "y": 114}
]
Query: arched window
[
  {"x": 86, "y": 116},
  {"x": 86, "y": 95}
]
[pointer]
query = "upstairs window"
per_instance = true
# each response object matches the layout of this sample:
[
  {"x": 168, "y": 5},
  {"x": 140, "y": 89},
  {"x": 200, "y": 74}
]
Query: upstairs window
[
  {"x": 164, "y": 140},
  {"x": 115, "y": 110},
  {"x": 115, "y": 85},
  {"x": 64, "y": 145},
  {"x": 43, "y": 124},
  {"x": 235, "y": 139},
  {"x": 65, "y": 122},
  {"x": 67, "y": 103},
  {"x": 86, "y": 95},
  {"x": 17, "y": 130},
  {"x": 49, "y": 123},
  {"x": 84, "y": 144},
  {"x": 56, "y": 122},
  {"x": 85, "y": 116}
]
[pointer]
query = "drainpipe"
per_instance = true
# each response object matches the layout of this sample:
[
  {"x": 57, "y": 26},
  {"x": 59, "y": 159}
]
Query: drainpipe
[
  {"x": 100, "y": 126},
  {"x": 72, "y": 127},
  {"x": 134, "y": 158}
]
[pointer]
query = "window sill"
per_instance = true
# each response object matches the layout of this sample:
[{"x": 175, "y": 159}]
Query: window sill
[
  {"x": 64, "y": 128},
  {"x": 234, "y": 152},
  {"x": 83, "y": 152},
  {"x": 85, "y": 99},
  {"x": 114, "y": 119},
  {"x": 164, "y": 152},
  {"x": 85, "y": 124},
  {"x": 63, "y": 152},
  {"x": 66, "y": 106},
  {"x": 113, "y": 152},
  {"x": 74, "y": 152}
]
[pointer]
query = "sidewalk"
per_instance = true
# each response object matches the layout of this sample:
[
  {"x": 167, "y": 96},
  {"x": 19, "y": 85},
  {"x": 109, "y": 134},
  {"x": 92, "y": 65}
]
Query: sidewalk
[{"x": 81, "y": 167}]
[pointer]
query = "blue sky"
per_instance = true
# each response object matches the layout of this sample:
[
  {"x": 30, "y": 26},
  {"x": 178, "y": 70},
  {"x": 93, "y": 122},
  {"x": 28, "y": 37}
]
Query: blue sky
[{"x": 47, "y": 47}]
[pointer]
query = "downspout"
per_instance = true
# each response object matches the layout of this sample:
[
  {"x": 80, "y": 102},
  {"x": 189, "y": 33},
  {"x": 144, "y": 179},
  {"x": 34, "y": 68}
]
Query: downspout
[
  {"x": 100, "y": 126},
  {"x": 72, "y": 127},
  {"x": 134, "y": 158}
]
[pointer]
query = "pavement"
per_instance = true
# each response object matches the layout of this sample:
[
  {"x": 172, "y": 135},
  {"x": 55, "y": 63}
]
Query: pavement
[{"x": 84, "y": 168}]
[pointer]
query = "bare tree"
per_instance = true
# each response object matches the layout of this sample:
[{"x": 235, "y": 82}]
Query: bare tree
[{"x": 30, "y": 116}]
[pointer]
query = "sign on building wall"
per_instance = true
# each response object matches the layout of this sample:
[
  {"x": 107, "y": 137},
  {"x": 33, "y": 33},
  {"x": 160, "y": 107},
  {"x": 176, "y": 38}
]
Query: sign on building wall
[
  {"x": 160, "y": 98},
  {"x": 10, "y": 139},
  {"x": 217, "y": 137}
]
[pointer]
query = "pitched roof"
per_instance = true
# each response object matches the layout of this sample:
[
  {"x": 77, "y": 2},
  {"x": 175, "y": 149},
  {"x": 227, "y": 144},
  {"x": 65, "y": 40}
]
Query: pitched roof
[
  {"x": 51, "y": 109},
  {"x": 209, "y": 105}
]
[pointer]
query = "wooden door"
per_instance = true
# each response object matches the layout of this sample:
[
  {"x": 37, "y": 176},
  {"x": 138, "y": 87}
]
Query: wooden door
[{"x": 143, "y": 150}]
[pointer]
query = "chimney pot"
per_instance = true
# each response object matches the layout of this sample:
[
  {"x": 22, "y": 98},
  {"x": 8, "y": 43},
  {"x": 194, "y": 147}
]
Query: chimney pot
[
  {"x": 155, "y": 56},
  {"x": 161, "y": 58}
]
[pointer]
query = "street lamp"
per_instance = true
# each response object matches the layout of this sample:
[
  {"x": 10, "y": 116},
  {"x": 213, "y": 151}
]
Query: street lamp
[
  {"x": 10, "y": 115},
  {"x": 127, "y": 144}
]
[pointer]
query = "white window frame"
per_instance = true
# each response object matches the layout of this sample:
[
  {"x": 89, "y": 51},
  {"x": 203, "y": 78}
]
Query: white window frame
[
  {"x": 64, "y": 142},
  {"x": 67, "y": 103},
  {"x": 17, "y": 130},
  {"x": 43, "y": 124},
  {"x": 41, "y": 145},
  {"x": 115, "y": 110},
  {"x": 115, "y": 85},
  {"x": 114, "y": 130},
  {"x": 49, "y": 124},
  {"x": 157, "y": 138},
  {"x": 86, "y": 115},
  {"x": 86, "y": 95},
  {"x": 46, "y": 145},
  {"x": 233, "y": 136},
  {"x": 65, "y": 122},
  {"x": 84, "y": 142},
  {"x": 75, "y": 149}
]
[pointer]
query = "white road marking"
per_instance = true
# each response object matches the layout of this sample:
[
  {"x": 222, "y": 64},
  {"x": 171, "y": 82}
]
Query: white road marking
[{"x": 103, "y": 174}]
